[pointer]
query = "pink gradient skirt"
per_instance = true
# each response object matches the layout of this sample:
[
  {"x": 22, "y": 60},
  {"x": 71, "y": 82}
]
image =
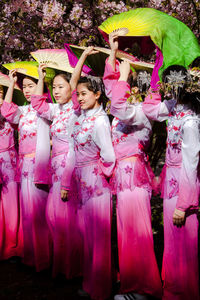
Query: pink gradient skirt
[
  {"x": 180, "y": 272},
  {"x": 63, "y": 221},
  {"x": 10, "y": 237},
  {"x": 36, "y": 235}
]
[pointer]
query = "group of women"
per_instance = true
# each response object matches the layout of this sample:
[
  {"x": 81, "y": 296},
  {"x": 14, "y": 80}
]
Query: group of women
[{"x": 63, "y": 217}]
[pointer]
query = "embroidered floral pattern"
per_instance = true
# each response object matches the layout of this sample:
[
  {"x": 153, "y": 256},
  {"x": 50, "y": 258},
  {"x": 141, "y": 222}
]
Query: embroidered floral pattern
[
  {"x": 62, "y": 120},
  {"x": 28, "y": 124},
  {"x": 83, "y": 132},
  {"x": 7, "y": 166},
  {"x": 121, "y": 131},
  {"x": 5, "y": 127},
  {"x": 128, "y": 169},
  {"x": 175, "y": 124}
]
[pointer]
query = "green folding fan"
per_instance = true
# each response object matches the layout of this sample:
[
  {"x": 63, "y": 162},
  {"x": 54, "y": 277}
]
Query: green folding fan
[{"x": 152, "y": 28}]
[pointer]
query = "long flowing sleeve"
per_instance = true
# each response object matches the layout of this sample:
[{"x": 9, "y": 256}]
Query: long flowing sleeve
[
  {"x": 44, "y": 109},
  {"x": 188, "y": 195},
  {"x": 70, "y": 163},
  {"x": 102, "y": 138},
  {"x": 11, "y": 112},
  {"x": 120, "y": 108},
  {"x": 42, "y": 156},
  {"x": 156, "y": 110},
  {"x": 110, "y": 77}
]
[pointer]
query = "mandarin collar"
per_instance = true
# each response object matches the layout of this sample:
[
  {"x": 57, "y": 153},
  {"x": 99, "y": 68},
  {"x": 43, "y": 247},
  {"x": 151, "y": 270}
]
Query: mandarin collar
[
  {"x": 64, "y": 106},
  {"x": 92, "y": 112}
]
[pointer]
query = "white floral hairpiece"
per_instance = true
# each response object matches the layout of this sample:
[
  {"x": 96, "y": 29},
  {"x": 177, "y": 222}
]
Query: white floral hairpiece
[
  {"x": 177, "y": 78},
  {"x": 143, "y": 79}
]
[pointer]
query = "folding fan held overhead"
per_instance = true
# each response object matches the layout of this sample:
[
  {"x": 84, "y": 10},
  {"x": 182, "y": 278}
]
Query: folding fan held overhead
[
  {"x": 53, "y": 58},
  {"x": 95, "y": 64},
  {"x": 29, "y": 68},
  {"x": 175, "y": 42}
]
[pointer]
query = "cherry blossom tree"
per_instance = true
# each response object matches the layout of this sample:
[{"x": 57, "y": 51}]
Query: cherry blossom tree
[{"x": 27, "y": 25}]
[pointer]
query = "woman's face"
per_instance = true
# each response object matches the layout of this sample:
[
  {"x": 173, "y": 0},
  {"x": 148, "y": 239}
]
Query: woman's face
[
  {"x": 61, "y": 90},
  {"x": 87, "y": 99},
  {"x": 29, "y": 87}
]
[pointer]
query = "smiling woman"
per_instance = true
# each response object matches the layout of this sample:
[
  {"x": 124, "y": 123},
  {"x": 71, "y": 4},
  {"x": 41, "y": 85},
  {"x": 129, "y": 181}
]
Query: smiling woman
[
  {"x": 87, "y": 98},
  {"x": 94, "y": 162},
  {"x": 61, "y": 88},
  {"x": 62, "y": 216}
]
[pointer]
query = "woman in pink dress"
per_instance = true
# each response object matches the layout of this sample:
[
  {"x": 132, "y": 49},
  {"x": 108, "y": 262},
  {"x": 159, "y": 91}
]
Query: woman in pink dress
[
  {"x": 179, "y": 185},
  {"x": 36, "y": 237},
  {"x": 10, "y": 239},
  {"x": 95, "y": 161},
  {"x": 132, "y": 183},
  {"x": 63, "y": 217}
]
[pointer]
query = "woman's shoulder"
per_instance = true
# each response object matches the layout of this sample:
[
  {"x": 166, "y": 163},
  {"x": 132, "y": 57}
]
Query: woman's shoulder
[{"x": 102, "y": 119}]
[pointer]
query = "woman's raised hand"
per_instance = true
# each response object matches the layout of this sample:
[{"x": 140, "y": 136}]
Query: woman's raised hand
[
  {"x": 13, "y": 75},
  {"x": 124, "y": 69},
  {"x": 113, "y": 41},
  {"x": 90, "y": 50},
  {"x": 42, "y": 71}
]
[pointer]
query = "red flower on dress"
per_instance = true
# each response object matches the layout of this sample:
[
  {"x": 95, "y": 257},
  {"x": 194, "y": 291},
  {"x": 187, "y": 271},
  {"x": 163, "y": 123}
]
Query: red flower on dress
[
  {"x": 175, "y": 128},
  {"x": 128, "y": 169},
  {"x": 95, "y": 171},
  {"x": 25, "y": 174}
]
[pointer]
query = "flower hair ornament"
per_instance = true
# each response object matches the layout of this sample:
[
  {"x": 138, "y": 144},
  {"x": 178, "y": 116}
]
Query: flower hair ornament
[
  {"x": 177, "y": 78},
  {"x": 175, "y": 83},
  {"x": 143, "y": 81}
]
